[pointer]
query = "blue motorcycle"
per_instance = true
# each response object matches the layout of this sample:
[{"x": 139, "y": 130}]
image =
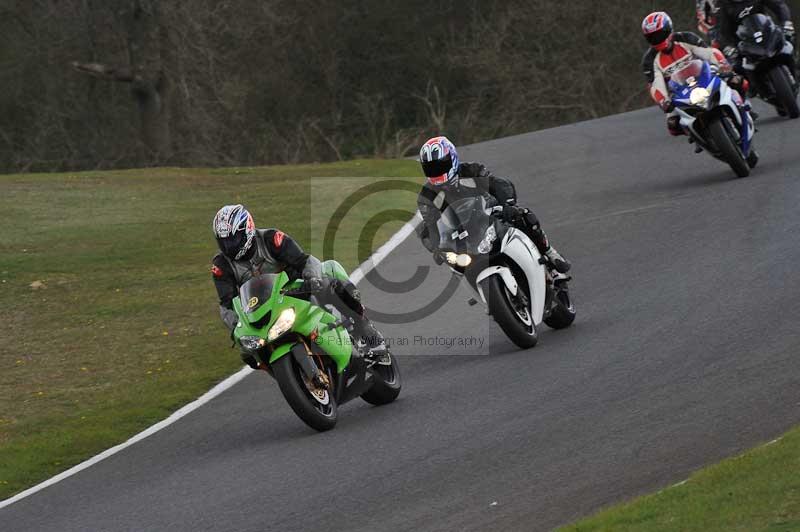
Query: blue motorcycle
[{"x": 713, "y": 115}]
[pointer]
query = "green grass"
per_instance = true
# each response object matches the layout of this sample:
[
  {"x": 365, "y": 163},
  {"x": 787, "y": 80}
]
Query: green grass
[
  {"x": 126, "y": 328},
  {"x": 759, "y": 490}
]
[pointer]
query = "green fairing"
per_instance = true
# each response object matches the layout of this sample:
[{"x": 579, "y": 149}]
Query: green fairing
[
  {"x": 280, "y": 351},
  {"x": 336, "y": 343},
  {"x": 331, "y": 268}
]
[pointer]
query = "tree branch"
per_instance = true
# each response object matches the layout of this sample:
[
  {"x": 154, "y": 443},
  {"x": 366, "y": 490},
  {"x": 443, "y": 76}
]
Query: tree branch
[{"x": 106, "y": 72}]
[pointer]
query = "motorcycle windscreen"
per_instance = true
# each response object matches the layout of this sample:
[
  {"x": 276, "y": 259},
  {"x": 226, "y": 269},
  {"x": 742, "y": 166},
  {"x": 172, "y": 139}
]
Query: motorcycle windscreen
[
  {"x": 463, "y": 224},
  {"x": 693, "y": 72},
  {"x": 256, "y": 292},
  {"x": 759, "y": 37}
]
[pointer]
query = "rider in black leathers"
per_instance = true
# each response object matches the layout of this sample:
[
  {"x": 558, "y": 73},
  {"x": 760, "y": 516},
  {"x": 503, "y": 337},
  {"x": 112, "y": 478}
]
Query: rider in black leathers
[
  {"x": 448, "y": 180},
  {"x": 731, "y": 12},
  {"x": 246, "y": 252}
]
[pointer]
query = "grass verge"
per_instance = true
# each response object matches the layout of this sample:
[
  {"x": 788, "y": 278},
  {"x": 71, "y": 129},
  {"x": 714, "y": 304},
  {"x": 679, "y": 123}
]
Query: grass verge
[
  {"x": 110, "y": 318},
  {"x": 759, "y": 490}
]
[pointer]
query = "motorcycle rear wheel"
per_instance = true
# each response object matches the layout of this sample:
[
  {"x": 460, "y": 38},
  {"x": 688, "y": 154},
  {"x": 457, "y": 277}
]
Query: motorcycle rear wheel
[
  {"x": 387, "y": 384},
  {"x": 728, "y": 150},
  {"x": 563, "y": 313}
]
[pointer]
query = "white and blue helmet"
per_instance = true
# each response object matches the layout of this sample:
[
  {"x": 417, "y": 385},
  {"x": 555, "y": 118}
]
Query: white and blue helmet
[
  {"x": 234, "y": 230},
  {"x": 439, "y": 160}
]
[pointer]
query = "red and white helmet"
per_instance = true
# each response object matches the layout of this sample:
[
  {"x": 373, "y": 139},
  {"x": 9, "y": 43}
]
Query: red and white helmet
[
  {"x": 657, "y": 29},
  {"x": 439, "y": 160},
  {"x": 234, "y": 230}
]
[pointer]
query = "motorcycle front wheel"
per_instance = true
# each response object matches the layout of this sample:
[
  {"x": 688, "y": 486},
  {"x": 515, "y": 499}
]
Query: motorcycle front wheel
[
  {"x": 316, "y": 407},
  {"x": 729, "y": 152},
  {"x": 516, "y": 322}
]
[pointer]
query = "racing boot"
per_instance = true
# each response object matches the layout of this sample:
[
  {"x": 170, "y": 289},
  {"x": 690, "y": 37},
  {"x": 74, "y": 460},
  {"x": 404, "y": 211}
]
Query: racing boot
[
  {"x": 752, "y": 158},
  {"x": 560, "y": 264},
  {"x": 540, "y": 240},
  {"x": 674, "y": 126},
  {"x": 373, "y": 339}
]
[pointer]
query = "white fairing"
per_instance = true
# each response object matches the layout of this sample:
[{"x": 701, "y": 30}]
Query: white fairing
[
  {"x": 502, "y": 271},
  {"x": 518, "y": 248}
]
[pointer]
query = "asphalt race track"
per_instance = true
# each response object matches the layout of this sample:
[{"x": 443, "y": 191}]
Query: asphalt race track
[{"x": 685, "y": 351}]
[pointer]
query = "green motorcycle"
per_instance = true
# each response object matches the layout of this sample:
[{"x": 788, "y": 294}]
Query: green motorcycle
[{"x": 309, "y": 348}]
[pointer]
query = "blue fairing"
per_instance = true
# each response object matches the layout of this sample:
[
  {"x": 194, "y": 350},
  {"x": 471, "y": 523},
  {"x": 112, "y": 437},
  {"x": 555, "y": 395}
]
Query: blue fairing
[
  {"x": 709, "y": 80},
  {"x": 706, "y": 79}
]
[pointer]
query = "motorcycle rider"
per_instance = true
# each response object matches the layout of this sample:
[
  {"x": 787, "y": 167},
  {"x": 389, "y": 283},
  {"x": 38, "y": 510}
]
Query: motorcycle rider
[
  {"x": 730, "y": 12},
  {"x": 707, "y": 20},
  {"x": 669, "y": 51},
  {"x": 448, "y": 180},
  {"x": 246, "y": 252}
]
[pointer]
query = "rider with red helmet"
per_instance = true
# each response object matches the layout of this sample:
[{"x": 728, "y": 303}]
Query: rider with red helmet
[
  {"x": 707, "y": 20},
  {"x": 670, "y": 51},
  {"x": 450, "y": 180}
]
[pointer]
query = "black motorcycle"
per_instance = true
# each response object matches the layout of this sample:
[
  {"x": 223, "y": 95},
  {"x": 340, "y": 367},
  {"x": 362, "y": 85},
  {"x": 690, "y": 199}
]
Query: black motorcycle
[{"x": 768, "y": 62}]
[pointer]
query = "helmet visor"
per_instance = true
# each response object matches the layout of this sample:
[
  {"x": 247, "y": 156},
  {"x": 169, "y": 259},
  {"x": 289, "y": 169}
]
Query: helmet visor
[
  {"x": 438, "y": 168},
  {"x": 657, "y": 37},
  {"x": 231, "y": 245}
]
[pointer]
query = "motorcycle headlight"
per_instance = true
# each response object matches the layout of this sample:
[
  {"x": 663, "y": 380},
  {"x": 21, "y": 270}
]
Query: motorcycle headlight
[
  {"x": 699, "y": 96},
  {"x": 282, "y": 324},
  {"x": 463, "y": 260},
  {"x": 486, "y": 244},
  {"x": 252, "y": 343}
]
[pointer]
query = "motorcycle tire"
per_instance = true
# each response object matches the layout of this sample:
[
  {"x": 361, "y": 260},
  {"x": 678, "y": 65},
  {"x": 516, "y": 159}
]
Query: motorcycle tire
[
  {"x": 387, "y": 384},
  {"x": 563, "y": 312},
  {"x": 291, "y": 383},
  {"x": 728, "y": 150},
  {"x": 501, "y": 309},
  {"x": 784, "y": 94}
]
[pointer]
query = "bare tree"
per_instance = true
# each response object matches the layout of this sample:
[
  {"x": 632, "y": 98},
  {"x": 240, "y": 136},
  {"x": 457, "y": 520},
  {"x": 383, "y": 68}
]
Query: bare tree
[
  {"x": 207, "y": 83},
  {"x": 144, "y": 71}
]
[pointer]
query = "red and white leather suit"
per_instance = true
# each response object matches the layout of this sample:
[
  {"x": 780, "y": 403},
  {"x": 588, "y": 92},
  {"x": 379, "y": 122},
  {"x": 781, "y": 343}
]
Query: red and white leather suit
[{"x": 667, "y": 62}]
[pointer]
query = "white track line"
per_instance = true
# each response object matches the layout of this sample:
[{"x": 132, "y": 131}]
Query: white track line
[
  {"x": 357, "y": 276},
  {"x": 382, "y": 252},
  {"x": 194, "y": 405}
]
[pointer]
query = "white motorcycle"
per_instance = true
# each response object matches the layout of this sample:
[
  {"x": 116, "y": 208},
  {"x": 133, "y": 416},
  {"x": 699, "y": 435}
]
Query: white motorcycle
[{"x": 506, "y": 270}]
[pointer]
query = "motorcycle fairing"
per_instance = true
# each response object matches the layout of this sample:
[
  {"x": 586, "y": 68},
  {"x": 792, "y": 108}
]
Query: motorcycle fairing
[
  {"x": 722, "y": 96},
  {"x": 519, "y": 248}
]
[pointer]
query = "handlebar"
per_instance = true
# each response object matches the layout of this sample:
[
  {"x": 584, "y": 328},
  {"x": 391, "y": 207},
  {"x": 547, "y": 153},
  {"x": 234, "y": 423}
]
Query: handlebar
[
  {"x": 306, "y": 290},
  {"x": 296, "y": 292}
]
